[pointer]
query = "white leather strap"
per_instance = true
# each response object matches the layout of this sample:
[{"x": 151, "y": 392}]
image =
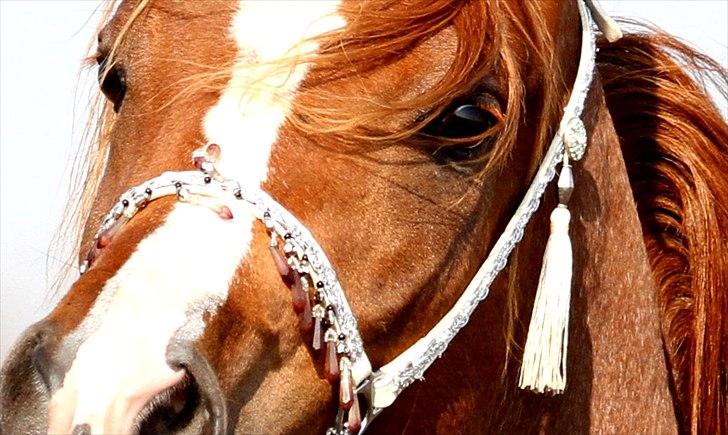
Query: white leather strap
[{"x": 411, "y": 365}]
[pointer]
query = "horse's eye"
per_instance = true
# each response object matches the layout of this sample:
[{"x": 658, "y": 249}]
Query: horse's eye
[
  {"x": 463, "y": 127},
  {"x": 113, "y": 83}
]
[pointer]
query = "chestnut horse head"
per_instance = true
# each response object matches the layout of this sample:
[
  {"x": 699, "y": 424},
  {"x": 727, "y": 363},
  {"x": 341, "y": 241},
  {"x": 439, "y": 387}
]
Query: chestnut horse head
[{"x": 403, "y": 135}]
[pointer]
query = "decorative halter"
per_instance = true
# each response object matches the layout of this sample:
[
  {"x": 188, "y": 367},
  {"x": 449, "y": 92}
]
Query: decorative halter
[{"x": 319, "y": 299}]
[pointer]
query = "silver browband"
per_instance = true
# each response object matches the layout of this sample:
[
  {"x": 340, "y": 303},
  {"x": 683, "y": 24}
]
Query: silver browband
[{"x": 305, "y": 256}]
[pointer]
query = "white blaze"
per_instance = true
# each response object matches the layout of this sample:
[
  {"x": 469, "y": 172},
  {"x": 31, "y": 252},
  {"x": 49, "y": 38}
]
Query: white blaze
[{"x": 184, "y": 268}]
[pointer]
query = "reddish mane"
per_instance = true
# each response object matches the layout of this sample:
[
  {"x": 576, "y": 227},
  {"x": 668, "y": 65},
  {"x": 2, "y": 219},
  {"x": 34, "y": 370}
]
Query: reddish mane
[{"x": 675, "y": 143}]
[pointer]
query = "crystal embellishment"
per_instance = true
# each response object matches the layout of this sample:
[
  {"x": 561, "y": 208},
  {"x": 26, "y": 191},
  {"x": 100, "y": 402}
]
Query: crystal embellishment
[{"x": 575, "y": 138}]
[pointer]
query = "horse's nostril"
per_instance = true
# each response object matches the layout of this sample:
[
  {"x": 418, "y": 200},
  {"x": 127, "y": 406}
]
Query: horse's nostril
[
  {"x": 23, "y": 397},
  {"x": 196, "y": 405},
  {"x": 173, "y": 410},
  {"x": 45, "y": 359},
  {"x": 82, "y": 429}
]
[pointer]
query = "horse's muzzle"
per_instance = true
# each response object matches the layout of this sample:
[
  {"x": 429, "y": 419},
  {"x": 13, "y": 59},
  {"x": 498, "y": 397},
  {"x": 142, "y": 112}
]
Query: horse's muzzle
[
  {"x": 36, "y": 368},
  {"x": 24, "y": 386}
]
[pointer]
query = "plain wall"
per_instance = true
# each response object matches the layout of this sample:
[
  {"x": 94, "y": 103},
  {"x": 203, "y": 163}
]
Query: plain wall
[{"x": 42, "y": 45}]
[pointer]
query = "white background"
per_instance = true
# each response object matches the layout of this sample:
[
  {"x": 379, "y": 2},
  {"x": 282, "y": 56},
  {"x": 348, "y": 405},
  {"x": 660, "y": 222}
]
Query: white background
[{"x": 42, "y": 44}]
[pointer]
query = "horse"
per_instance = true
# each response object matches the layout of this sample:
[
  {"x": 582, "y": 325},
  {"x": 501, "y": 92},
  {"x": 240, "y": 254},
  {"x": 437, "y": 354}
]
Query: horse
[{"x": 403, "y": 134}]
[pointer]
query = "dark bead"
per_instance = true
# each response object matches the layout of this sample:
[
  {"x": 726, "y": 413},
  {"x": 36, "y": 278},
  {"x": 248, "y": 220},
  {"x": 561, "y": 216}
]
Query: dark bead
[
  {"x": 177, "y": 184},
  {"x": 125, "y": 202},
  {"x": 207, "y": 180},
  {"x": 330, "y": 308},
  {"x": 325, "y": 323},
  {"x": 304, "y": 258},
  {"x": 342, "y": 337},
  {"x": 238, "y": 194},
  {"x": 288, "y": 236},
  {"x": 148, "y": 191},
  {"x": 320, "y": 284}
]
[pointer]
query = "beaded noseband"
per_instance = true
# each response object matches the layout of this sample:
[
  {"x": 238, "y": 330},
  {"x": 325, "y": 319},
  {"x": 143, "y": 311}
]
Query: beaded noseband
[{"x": 318, "y": 297}]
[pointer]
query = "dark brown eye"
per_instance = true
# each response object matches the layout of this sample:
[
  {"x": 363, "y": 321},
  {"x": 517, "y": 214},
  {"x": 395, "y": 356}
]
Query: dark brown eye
[
  {"x": 463, "y": 127},
  {"x": 462, "y": 122},
  {"x": 112, "y": 81}
]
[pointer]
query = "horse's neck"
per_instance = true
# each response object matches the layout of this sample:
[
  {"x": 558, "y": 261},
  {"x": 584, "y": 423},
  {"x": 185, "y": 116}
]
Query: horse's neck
[{"x": 616, "y": 360}]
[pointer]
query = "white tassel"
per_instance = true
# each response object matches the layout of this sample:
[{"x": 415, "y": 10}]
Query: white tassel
[{"x": 544, "y": 356}]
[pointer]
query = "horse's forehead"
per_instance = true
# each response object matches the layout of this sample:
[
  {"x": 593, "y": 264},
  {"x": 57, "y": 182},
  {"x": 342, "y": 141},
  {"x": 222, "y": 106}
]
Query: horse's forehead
[{"x": 170, "y": 264}]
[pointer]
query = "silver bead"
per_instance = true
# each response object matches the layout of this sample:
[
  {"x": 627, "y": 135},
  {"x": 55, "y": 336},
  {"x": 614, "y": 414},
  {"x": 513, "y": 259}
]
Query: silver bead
[
  {"x": 207, "y": 167},
  {"x": 575, "y": 139},
  {"x": 565, "y": 184},
  {"x": 342, "y": 348},
  {"x": 183, "y": 194},
  {"x": 117, "y": 210}
]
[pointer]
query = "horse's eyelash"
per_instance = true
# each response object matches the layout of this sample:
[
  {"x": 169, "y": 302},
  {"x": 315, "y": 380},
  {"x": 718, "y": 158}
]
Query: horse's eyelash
[{"x": 94, "y": 59}]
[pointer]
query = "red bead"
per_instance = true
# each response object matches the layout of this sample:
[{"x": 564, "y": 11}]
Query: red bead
[
  {"x": 213, "y": 151},
  {"x": 299, "y": 295},
  {"x": 107, "y": 236},
  {"x": 346, "y": 389},
  {"x": 305, "y": 319},
  {"x": 198, "y": 161},
  {"x": 91, "y": 256},
  {"x": 283, "y": 268},
  {"x": 103, "y": 241},
  {"x": 331, "y": 362},
  {"x": 225, "y": 213},
  {"x": 353, "y": 422}
]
